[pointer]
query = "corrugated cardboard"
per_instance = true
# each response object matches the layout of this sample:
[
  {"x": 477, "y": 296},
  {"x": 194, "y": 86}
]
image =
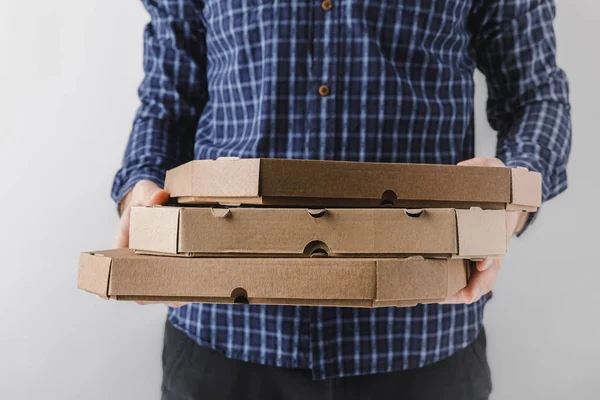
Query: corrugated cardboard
[
  {"x": 283, "y": 182},
  {"x": 362, "y": 282},
  {"x": 192, "y": 231}
]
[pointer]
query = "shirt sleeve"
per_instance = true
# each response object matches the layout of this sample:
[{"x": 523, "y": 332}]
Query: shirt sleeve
[
  {"x": 528, "y": 101},
  {"x": 172, "y": 94}
]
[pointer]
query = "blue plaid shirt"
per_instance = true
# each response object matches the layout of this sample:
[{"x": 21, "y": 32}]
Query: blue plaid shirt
[{"x": 243, "y": 78}]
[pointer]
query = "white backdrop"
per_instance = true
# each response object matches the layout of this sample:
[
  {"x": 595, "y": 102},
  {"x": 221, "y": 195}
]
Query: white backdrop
[{"x": 68, "y": 77}]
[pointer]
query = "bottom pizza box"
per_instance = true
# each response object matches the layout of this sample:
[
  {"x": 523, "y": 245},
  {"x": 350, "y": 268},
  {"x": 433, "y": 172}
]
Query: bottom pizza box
[{"x": 318, "y": 281}]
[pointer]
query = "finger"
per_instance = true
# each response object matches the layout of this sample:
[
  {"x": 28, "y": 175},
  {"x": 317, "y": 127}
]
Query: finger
[
  {"x": 468, "y": 163},
  {"x": 464, "y": 296},
  {"x": 482, "y": 162},
  {"x": 122, "y": 238},
  {"x": 481, "y": 282},
  {"x": 147, "y": 303},
  {"x": 160, "y": 197},
  {"x": 149, "y": 193},
  {"x": 484, "y": 264},
  {"x": 176, "y": 305},
  {"x": 477, "y": 161},
  {"x": 515, "y": 221},
  {"x": 488, "y": 263}
]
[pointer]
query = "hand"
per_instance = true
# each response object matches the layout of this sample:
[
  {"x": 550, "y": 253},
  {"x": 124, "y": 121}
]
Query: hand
[
  {"x": 484, "y": 277},
  {"x": 144, "y": 193}
]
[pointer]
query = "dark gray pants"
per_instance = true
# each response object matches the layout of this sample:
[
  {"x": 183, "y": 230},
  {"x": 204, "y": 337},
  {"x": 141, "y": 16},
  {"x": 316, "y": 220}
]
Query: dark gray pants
[{"x": 192, "y": 372}]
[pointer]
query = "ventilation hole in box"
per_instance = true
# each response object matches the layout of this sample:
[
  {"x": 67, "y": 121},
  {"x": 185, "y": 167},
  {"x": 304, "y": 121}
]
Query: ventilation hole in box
[
  {"x": 414, "y": 213},
  {"x": 319, "y": 253},
  {"x": 388, "y": 198},
  {"x": 316, "y": 249},
  {"x": 317, "y": 213},
  {"x": 239, "y": 296}
]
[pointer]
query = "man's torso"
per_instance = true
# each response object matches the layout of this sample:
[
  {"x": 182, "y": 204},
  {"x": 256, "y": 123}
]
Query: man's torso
[{"x": 399, "y": 76}]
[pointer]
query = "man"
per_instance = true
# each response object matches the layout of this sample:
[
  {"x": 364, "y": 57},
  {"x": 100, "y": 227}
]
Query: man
[{"x": 388, "y": 81}]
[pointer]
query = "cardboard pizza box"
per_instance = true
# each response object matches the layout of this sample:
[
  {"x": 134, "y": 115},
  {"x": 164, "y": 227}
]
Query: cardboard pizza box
[
  {"x": 197, "y": 231},
  {"x": 356, "y": 282},
  {"x": 284, "y": 182}
]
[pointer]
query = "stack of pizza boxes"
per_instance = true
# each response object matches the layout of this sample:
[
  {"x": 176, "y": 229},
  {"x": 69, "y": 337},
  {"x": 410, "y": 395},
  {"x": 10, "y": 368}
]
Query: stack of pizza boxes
[{"x": 302, "y": 232}]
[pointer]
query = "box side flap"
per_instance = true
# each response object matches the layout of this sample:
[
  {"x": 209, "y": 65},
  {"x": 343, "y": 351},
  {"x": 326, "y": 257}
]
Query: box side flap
[
  {"x": 154, "y": 228},
  {"x": 215, "y": 178},
  {"x": 94, "y": 273},
  {"x": 328, "y": 179},
  {"x": 526, "y": 188},
  {"x": 411, "y": 278},
  {"x": 458, "y": 276},
  {"x": 481, "y": 233}
]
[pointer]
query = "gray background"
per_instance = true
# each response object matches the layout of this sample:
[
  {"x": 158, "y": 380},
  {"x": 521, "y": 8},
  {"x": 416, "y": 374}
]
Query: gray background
[{"x": 68, "y": 77}]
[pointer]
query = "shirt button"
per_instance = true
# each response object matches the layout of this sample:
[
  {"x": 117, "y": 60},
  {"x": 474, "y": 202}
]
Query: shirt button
[
  {"x": 326, "y": 5},
  {"x": 324, "y": 90}
]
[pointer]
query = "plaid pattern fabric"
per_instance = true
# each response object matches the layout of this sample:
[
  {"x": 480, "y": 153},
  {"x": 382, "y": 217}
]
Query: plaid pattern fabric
[{"x": 242, "y": 77}]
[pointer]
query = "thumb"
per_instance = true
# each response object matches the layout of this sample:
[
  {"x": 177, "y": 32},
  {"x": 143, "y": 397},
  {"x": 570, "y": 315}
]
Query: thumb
[
  {"x": 158, "y": 198},
  {"x": 148, "y": 193},
  {"x": 481, "y": 162}
]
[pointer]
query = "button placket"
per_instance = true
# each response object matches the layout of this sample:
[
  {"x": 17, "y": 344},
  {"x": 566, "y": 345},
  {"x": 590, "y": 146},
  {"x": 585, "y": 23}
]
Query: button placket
[
  {"x": 332, "y": 20},
  {"x": 324, "y": 70}
]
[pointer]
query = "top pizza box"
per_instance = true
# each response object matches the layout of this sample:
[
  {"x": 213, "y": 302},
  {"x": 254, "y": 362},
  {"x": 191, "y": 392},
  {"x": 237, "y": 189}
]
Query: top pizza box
[{"x": 312, "y": 183}]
